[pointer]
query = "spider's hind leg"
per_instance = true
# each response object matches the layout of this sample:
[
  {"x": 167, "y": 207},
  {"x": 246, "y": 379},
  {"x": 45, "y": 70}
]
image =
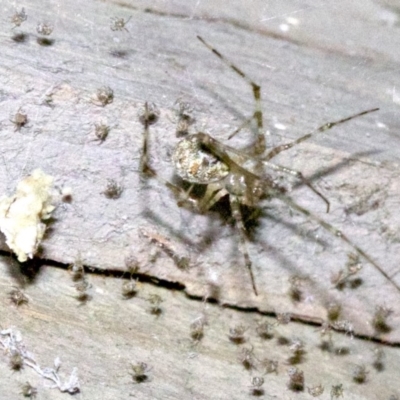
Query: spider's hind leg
[
  {"x": 335, "y": 232},
  {"x": 301, "y": 177}
]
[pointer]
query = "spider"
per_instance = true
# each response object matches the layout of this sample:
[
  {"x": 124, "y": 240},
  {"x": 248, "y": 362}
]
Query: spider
[
  {"x": 199, "y": 159},
  {"x": 118, "y": 24}
]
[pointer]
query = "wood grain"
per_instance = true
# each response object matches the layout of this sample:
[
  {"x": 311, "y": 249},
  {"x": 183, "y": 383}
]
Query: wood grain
[{"x": 316, "y": 63}]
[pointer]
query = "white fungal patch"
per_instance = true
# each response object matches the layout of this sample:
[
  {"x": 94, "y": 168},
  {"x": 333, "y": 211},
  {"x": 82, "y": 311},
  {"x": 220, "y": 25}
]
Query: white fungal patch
[{"x": 22, "y": 215}]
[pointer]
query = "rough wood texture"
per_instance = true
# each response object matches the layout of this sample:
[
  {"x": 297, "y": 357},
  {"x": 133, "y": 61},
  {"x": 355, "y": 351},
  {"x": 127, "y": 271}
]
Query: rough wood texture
[{"x": 316, "y": 62}]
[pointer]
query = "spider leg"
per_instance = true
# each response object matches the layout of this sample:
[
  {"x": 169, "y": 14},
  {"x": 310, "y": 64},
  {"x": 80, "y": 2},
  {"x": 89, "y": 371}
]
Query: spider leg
[
  {"x": 336, "y": 232},
  {"x": 237, "y": 215},
  {"x": 183, "y": 196},
  {"x": 213, "y": 195},
  {"x": 276, "y": 150},
  {"x": 300, "y": 176},
  {"x": 259, "y": 146},
  {"x": 144, "y": 166}
]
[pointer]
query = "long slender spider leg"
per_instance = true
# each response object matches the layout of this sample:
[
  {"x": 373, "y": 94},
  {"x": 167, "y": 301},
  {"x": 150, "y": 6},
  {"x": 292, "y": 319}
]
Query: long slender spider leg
[
  {"x": 259, "y": 146},
  {"x": 300, "y": 176},
  {"x": 276, "y": 150},
  {"x": 336, "y": 232},
  {"x": 211, "y": 197},
  {"x": 144, "y": 166},
  {"x": 147, "y": 117},
  {"x": 237, "y": 215},
  {"x": 183, "y": 196}
]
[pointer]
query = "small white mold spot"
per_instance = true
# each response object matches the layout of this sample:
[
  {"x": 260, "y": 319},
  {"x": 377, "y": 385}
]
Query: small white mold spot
[
  {"x": 280, "y": 126},
  {"x": 381, "y": 125},
  {"x": 284, "y": 27},
  {"x": 395, "y": 96},
  {"x": 292, "y": 21}
]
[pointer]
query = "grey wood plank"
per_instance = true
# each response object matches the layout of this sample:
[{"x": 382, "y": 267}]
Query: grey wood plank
[{"x": 322, "y": 69}]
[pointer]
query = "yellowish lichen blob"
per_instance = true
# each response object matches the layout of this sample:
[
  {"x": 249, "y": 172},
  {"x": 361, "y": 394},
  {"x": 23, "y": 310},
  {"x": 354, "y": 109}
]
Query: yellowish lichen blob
[{"x": 22, "y": 215}]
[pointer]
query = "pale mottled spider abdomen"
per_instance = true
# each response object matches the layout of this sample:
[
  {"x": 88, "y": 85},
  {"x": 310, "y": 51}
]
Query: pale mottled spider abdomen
[
  {"x": 201, "y": 159},
  {"x": 194, "y": 163}
]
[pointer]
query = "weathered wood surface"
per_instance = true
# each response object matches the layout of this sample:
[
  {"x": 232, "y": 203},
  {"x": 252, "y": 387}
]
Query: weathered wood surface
[{"x": 316, "y": 63}]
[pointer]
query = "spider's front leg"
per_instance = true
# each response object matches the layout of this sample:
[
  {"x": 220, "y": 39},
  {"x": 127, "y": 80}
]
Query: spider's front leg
[
  {"x": 329, "y": 125},
  {"x": 279, "y": 149},
  {"x": 149, "y": 116},
  {"x": 259, "y": 145}
]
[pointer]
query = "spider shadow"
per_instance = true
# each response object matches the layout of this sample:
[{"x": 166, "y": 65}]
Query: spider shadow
[
  {"x": 208, "y": 236},
  {"x": 252, "y": 217},
  {"x": 23, "y": 273},
  {"x": 268, "y": 214},
  {"x": 221, "y": 212},
  {"x": 221, "y": 100},
  {"x": 20, "y": 37},
  {"x": 44, "y": 41},
  {"x": 325, "y": 172}
]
